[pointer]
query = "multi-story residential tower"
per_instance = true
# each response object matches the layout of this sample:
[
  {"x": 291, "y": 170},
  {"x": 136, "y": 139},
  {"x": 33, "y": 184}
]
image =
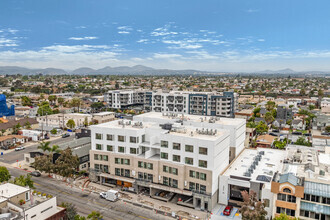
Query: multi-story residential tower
[
  {"x": 167, "y": 155},
  {"x": 195, "y": 103}
]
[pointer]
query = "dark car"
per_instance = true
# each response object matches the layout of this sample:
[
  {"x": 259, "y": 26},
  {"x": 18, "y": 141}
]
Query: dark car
[
  {"x": 227, "y": 210},
  {"x": 35, "y": 173},
  {"x": 65, "y": 135}
]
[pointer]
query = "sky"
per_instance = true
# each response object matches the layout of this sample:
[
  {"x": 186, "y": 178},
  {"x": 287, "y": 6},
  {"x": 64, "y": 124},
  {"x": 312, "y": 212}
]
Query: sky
[{"x": 211, "y": 35}]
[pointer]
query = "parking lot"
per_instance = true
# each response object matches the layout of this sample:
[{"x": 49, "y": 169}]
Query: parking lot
[{"x": 218, "y": 215}]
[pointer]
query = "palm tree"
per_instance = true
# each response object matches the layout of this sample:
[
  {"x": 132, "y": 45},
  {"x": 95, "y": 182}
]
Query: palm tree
[
  {"x": 44, "y": 146},
  {"x": 55, "y": 149}
]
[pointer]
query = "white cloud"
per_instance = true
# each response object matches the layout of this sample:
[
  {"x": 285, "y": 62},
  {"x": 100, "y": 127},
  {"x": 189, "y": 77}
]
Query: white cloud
[
  {"x": 261, "y": 40},
  {"x": 80, "y": 27},
  {"x": 163, "y": 31},
  {"x": 124, "y": 32},
  {"x": 142, "y": 41},
  {"x": 6, "y": 42},
  {"x": 83, "y": 38},
  {"x": 166, "y": 55}
]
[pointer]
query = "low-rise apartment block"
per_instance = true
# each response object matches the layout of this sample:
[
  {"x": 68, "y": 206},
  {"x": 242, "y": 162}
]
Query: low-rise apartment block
[
  {"x": 196, "y": 103},
  {"x": 168, "y": 155}
]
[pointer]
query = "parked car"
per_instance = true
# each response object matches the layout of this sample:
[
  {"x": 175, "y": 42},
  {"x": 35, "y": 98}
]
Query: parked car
[
  {"x": 19, "y": 148},
  {"x": 65, "y": 135},
  {"x": 35, "y": 173},
  {"x": 227, "y": 210},
  {"x": 103, "y": 194}
]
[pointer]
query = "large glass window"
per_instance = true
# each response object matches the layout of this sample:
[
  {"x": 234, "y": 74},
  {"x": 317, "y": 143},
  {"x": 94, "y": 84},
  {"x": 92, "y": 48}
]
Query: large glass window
[
  {"x": 132, "y": 140},
  {"x": 110, "y": 137},
  {"x": 176, "y": 158},
  {"x": 105, "y": 157},
  {"x": 176, "y": 146},
  {"x": 164, "y": 144},
  {"x": 175, "y": 171},
  {"x": 189, "y": 160},
  {"x": 98, "y": 136},
  {"x": 189, "y": 148},
  {"x": 132, "y": 150},
  {"x": 121, "y": 138},
  {"x": 164, "y": 155},
  {"x": 165, "y": 169},
  {"x": 202, "y": 163},
  {"x": 202, "y": 176},
  {"x": 109, "y": 148},
  {"x": 203, "y": 150},
  {"x": 121, "y": 149},
  {"x": 98, "y": 146}
]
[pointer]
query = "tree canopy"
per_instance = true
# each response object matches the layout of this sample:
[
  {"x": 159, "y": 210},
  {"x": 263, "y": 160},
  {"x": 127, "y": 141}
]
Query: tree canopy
[
  {"x": 4, "y": 174},
  {"x": 252, "y": 208}
]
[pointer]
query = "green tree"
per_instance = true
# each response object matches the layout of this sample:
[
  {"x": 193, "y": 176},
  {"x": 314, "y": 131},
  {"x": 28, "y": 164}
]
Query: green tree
[
  {"x": 16, "y": 128},
  {"x": 71, "y": 210},
  {"x": 4, "y": 174},
  {"x": 44, "y": 146},
  {"x": 252, "y": 208},
  {"x": 67, "y": 163},
  {"x": 86, "y": 122},
  {"x": 3, "y": 131},
  {"x": 269, "y": 117},
  {"x": 280, "y": 144},
  {"x": 76, "y": 103},
  {"x": 261, "y": 127},
  {"x": 53, "y": 131},
  {"x": 327, "y": 129},
  {"x": 79, "y": 217},
  {"x": 44, "y": 108},
  {"x": 311, "y": 107},
  {"x": 256, "y": 111},
  {"x": 284, "y": 216},
  {"x": 52, "y": 99},
  {"x": 270, "y": 105},
  {"x": 71, "y": 124},
  {"x": 26, "y": 101},
  {"x": 60, "y": 101},
  {"x": 55, "y": 149},
  {"x": 302, "y": 141},
  {"x": 95, "y": 216},
  {"x": 24, "y": 181},
  {"x": 27, "y": 125},
  {"x": 44, "y": 164},
  {"x": 97, "y": 105}
]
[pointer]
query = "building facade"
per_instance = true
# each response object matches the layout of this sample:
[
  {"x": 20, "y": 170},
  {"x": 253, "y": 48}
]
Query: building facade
[
  {"x": 169, "y": 156},
  {"x": 195, "y": 103}
]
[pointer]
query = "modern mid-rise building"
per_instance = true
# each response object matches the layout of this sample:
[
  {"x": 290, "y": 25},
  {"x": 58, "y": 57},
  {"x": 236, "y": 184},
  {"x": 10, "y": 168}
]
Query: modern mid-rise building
[
  {"x": 172, "y": 157},
  {"x": 195, "y": 103}
]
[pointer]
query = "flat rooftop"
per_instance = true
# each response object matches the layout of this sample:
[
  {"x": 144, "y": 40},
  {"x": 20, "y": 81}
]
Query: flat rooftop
[
  {"x": 103, "y": 113},
  {"x": 270, "y": 162},
  {"x": 9, "y": 190},
  {"x": 170, "y": 117}
]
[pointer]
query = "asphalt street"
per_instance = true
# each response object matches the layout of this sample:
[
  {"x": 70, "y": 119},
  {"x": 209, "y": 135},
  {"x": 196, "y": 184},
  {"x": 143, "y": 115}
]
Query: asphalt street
[
  {"x": 85, "y": 202},
  {"x": 13, "y": 156}
]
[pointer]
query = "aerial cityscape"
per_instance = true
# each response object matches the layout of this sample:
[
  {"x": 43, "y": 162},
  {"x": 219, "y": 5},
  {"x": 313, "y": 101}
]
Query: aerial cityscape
[{"x": 147, "y": 110}]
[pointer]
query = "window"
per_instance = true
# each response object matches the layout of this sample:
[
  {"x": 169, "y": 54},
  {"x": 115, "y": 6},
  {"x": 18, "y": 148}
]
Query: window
[
  {"x": 98, "y": 136},
  {"x": 287, "y": 190},
  {"x": 132, "y": 140},
  {"x": 109, "y": 148},
  {"x": 132, "y": 150},
  {"x": 98, "y": 146},
  {"x": 164, "y": 144},
  {"x": 176, "y": 146},
  {"x": 97, "y": 166},
  {"x": 117, "y": 160},
  {"x": 105, "y": 157},
  {"x": 121, "y": 149},
  {"x": 202, "y": 163},
  {"x": 164, "y": 155},
  {"x": 176, "y": 158},
  {"x": 165, "y": 169},
  {"x": 121, "y": 138},
  {"x": 140, "y": 164},
  {"x": 126, "y": 161},
  {"x": 266, "y": 202},
  {"x": 110, "y": 137},
  {"x": 106, "y": 168},
  {"x": 202, "y": 176},
  {"x": 175, "y": 171},
  {"x": 96, "y": 157},
  {"x": 192, "y": 174},
  {"x": 150, "y": 166},
  {"x": 174, "y": 183},
  {"x": 202, "y": 189},
  {"x": 117, "y": 171},
  {"x": 165, "y": 180},
  {"x": 189, "y": 148},
  {"x": 189, "y": 160},
  {"x": 203, "y": 150}
]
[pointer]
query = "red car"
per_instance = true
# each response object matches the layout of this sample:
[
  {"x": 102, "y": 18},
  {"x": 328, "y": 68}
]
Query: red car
[{"x": 227, "y": 210}]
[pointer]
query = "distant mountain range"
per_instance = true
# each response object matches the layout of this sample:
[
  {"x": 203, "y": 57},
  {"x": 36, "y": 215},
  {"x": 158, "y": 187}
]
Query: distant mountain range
[{"x": 137, "y": 70}]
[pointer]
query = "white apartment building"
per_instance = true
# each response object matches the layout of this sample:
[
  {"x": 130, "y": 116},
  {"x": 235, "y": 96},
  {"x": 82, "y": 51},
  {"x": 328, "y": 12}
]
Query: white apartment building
[
  {"x": 172, "y": 157},
  {"x": 17, "y": 202},
  {"x": 253, "y": 170},
  {"x": 196, "y": 103}
]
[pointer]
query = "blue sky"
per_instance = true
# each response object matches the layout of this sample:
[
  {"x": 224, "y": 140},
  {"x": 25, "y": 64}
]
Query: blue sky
[{"x": 219, "y": 35}]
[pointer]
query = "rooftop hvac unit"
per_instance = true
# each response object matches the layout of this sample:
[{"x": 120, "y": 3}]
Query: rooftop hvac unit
[
  {"x": 262, "y": 152},
  {"x": 247, "y": 174}
]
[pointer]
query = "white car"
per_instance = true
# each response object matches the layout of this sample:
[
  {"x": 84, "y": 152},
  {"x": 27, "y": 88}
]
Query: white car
[
  {"x": 102, "y": 195},
  {"x": 19, "y": 148}
]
